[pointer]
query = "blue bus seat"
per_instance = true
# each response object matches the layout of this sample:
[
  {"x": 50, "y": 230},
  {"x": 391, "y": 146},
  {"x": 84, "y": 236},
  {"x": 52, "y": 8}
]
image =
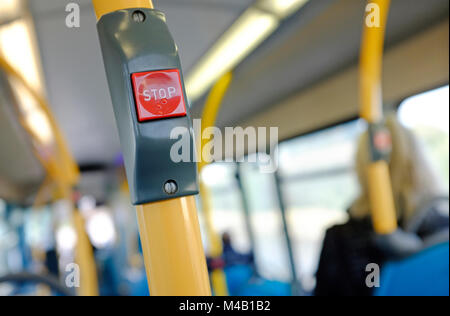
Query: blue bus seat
[
  {"x": 242, "y": 281},
  {"x": 424, "y": 274}
]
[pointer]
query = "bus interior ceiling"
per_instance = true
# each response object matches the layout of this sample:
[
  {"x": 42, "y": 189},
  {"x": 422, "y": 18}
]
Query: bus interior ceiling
[
  {"x": 307, "y": 68},
  {"x": 21, "y": 173},
  {"x": 302, "y": 78}
]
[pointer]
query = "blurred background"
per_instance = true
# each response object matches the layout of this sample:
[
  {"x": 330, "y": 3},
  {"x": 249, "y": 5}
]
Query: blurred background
[{"x": 295, "y": 66}]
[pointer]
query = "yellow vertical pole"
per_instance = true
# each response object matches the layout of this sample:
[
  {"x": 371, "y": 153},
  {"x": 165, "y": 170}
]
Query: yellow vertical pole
[
  {"x": 172, "y": 247},
  {"x": 169, "y": 230},
  {"x": 84, "y": 257},
  {"x": 209, "y": 118},
  {"x": 371, "y": 63}
]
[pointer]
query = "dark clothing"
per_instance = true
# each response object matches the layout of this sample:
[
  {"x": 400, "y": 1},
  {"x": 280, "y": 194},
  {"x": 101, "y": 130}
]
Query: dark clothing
[
  {"x": 51, "y": 262},
  {"x": 232, "y": 257},
  {"x": 434, "y": 219},
  {"x": 349, "y": 248}
]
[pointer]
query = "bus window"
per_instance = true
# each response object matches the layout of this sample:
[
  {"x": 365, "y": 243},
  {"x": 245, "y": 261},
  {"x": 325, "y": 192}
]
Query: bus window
[
  {"x": 318, "y": 185},
  {"x": 5, "y": 239},
  {"x": 226, "y": 204},
  {"x": 271, "y": 255},
  {"x": 427, "y": 115}
]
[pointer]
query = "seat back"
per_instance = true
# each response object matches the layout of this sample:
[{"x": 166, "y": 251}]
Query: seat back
[{"x": 424, "y": 274}]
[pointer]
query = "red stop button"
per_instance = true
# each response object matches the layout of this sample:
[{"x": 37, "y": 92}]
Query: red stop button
[{"x": 158, "y": 94}]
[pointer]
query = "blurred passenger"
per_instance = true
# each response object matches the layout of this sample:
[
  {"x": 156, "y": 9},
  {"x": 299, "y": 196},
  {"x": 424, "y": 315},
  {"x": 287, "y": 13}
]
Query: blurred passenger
[
  {"x": 422, "y": 211},
  {"x": 231, "y": 256},
  {"x": 52, "y": 262}
]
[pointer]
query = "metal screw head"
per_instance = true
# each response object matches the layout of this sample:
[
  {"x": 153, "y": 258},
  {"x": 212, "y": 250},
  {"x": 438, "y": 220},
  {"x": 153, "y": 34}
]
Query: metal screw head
[
  {"x": 170, "y": 187},
  {"x": 138, "y": 16}
]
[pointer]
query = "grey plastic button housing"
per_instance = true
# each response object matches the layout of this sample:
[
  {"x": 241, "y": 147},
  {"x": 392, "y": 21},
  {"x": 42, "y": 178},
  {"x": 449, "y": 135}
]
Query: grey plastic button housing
[{"x": 128, "y": 47}]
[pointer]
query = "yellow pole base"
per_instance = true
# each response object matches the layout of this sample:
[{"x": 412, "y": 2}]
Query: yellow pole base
[
  {"x": 84, "y": 257},
  {"x": 172, "y": 247}
]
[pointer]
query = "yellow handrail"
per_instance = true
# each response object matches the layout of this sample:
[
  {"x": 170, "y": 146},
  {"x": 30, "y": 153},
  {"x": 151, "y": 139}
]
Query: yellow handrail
[
  {"x": 209, "y": 118},
  {"x": 64, "y": 172},
  {"x": 62, "y": 168},
  {"x": 170, "y": 231},
  {"x": 211, "y": 110},
  {"x": 173, "y": 249},
  {"x": 371, "y": 63},
  {"x": 84, "y": 257}
]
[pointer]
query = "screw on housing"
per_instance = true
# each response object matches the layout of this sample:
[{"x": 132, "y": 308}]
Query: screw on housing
[
  {"x": 138, "y": 16},
  {"x": 170, "y": 187}
]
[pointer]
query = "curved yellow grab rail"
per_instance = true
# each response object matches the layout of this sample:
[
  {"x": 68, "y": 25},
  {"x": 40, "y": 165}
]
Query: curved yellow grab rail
[
  {"x": 63, "y": 171},
  {"x": 211, "y": 110},
  {"x": 62, "y": 168},
  {"x": 209, "y": 118},
  {"x": 380, "y": 188}
]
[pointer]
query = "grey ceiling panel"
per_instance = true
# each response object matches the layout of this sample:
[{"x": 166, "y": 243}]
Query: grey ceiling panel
[
  {"x": 76, "y": 85},
  {"x": 21, "y": 173},
  {"x": 73, "y": 67},
  {"x": 319, "y": 41},
  {"x": 322, "y": 39}
]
